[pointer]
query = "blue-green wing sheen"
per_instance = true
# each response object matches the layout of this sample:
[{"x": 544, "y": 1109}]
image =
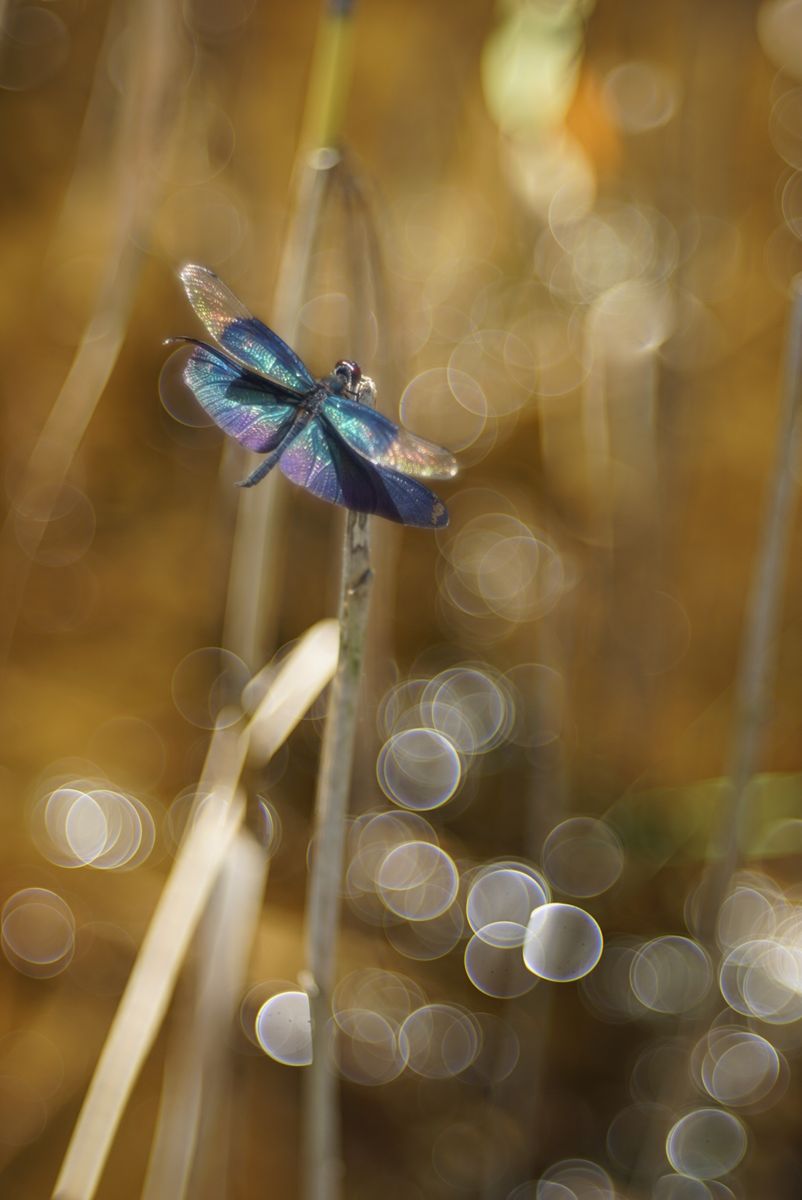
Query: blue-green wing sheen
[
  {"x": 378, "y": 439},
  {"x": 241, "y": 335},
  {"x": 243, "y": 405}
]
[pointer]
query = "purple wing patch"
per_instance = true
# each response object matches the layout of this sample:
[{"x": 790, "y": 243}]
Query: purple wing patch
[
  {"x": 242, "y": 405},
  {"x": 320, "y": 461}
]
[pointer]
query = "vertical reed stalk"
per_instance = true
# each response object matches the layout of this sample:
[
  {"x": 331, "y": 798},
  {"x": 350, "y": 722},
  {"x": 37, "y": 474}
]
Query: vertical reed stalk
[
  {"x": 146, "y": 125},
  {"x": 758, "y": 662},
  {"x": 189, "y": 1154},
  {"x": 251, "y": 606},
  {"x": 211, "y": 838},
  {"x": 321, "y": 1166},
  {"x": 753, "y": 688}
]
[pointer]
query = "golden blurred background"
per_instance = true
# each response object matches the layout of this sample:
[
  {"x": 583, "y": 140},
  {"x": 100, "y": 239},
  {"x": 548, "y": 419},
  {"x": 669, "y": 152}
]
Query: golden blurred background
[{"x": 561, "y": 236}]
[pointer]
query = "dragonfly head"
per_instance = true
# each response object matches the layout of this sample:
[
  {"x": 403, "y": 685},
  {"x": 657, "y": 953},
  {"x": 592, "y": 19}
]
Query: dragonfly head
[{"x": 348, "y": 374}]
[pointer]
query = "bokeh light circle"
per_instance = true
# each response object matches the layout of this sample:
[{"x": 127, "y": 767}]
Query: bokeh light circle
[
  {"x": 680, "y": 1187},
  {"x": 563, "y": 942},
  {"x": 499, "y": 568},
  {"x": 207, "y": 686},
  {"x": 54, "y": 524},
  {"x": 785, "y": 127},
  {"x": 493, "y": 962},
  {"x": 371, "y": 989},
  {"x": 417, "y": 881},
  {"x": 37, "y": 932},
  {"x": 739, "y": 1068},
  {"x": 607, "y": 991},
  {"x": 582, "y": 857},
  {"x": 640, "y": 95},
  {"x": 439, "y": 1041},
  {"x": 469, "y": 707},
  {"x": 503, "y": 894},
  {"x": 400, "y": 706},
  {"x": 483, "y": 356},
  {"x": 424, "y": 941},
  {"x": 175, "y": 395},
  {"x": 366, "y": 1049},
  {"x": 446, "y": 407},
  {"x": 763, "y": 978},
  {"x": 671, "y": 974},
  {"x": 80, "y": 824},
  {"x": 779, "y": 28},
  {"x": 746, "y": 913},
  {"x": 419, "y": 769},
  {"x": 283, "y": 1028},
  {"x": 582, "y": 1177},
  {"x": 372, "y": 837},
  {"x": 706, "y": 1143}
]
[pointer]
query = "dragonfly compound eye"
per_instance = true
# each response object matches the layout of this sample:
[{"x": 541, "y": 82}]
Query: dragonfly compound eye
[{"x": 349, "y": 372}]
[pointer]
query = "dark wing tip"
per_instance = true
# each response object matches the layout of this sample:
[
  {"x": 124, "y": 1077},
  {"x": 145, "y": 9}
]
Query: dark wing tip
[{"x": 439, "y": 515}]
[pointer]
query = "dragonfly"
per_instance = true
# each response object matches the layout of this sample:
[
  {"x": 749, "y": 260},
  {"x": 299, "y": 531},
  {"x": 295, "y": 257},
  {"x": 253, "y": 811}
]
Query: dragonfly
[{"x": 316, "y": 431}]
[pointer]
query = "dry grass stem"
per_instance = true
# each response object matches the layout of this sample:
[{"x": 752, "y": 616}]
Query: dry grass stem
[
  {"x": 759, "y": 651},
  {"x": 252, "y": 601},
  {"x": 321, "y": 1137},
  {"x": 144, "y": 1003},
  {"x": 212, "y": 830},
  {"x": 186, "y": 1144},
  {"x": 143, "y": 140}
]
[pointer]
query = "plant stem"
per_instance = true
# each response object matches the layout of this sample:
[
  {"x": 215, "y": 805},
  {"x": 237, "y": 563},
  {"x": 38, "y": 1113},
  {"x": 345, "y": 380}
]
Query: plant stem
[
  {"x": 252, "y": 603},
  {"x": 321, "y": 1166},
  {"x": 251, "y": 614},
  {"x": 146, "y": 125},
  {"x": 212, "y": 832},
  {"x": 754, "y": 685},
  {"x": 758, "y": 662}
]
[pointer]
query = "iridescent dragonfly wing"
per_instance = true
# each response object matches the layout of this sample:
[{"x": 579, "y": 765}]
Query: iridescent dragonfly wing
[
  {"x": 242, "y": 404},
  {"x": 241, "y": 335},
  {"x": 383, "y": 443},
  {"x": 321, "y": 461}
]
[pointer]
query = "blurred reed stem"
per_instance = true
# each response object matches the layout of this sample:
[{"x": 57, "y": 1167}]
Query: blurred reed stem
[
  {"x": 213, "y": 828},
  {"x": 252, "y": 602},
  {"x": 150, "y": 986},
  {"x": 753, "y": 693},
  {"x": 189, "y": 1153},
  {"x": 330, "y": 76},
  {"x": 321, "y": 1162},
  {"x": 145, "y": 126},
  {"x": 759, "y": 650},
  {"x": 253, "y": 598}
]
